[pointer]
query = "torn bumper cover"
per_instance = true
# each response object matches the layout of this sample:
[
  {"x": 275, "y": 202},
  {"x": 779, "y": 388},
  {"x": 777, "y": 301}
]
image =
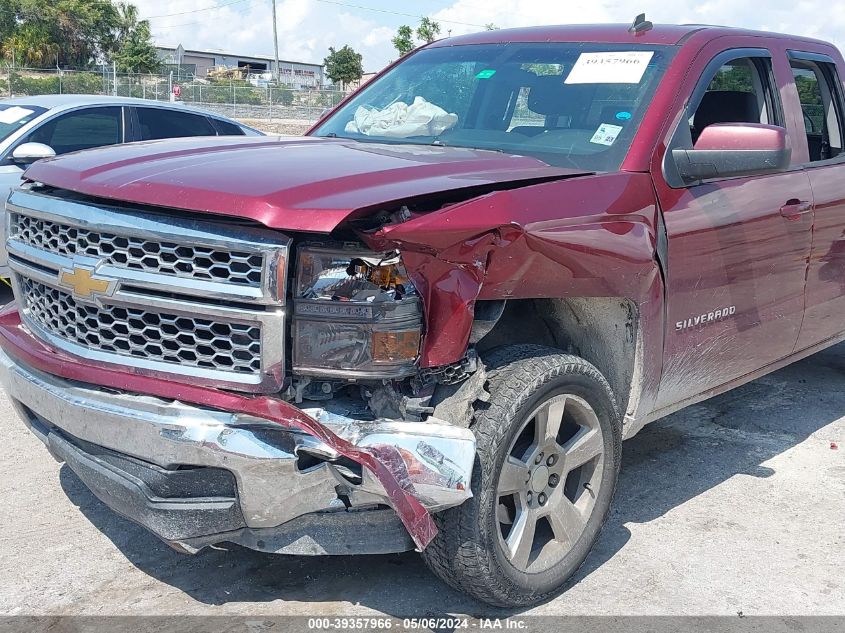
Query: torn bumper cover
[{"x": 199, "y": 466}]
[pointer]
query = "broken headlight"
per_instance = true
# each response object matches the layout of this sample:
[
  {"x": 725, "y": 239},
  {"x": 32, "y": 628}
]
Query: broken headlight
[{"x": 356, "y": 315}]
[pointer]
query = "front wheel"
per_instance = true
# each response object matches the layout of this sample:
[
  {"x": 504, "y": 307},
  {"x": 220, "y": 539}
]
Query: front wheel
[{"x": 548, "y": 453}]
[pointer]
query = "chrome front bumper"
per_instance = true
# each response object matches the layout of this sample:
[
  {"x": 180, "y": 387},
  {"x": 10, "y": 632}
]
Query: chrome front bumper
[{"x": 280, "y": 475}]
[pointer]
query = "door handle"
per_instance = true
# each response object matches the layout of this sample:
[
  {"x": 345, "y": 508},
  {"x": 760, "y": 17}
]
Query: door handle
[{"x": 794, "y": 209}]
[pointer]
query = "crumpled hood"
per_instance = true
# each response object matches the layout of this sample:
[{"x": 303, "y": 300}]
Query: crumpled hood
[{"x": 298, "y": 184}]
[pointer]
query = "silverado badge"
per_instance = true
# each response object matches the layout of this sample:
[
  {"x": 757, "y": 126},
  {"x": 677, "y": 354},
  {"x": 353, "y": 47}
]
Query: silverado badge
[
  {"x": 84, "y": 283},
  {"x": 704, "y": 319}
]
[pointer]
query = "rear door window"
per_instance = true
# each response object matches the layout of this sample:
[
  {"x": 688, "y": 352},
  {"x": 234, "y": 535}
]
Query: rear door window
[
  {"x": 820, "y": 107},
  {"x": 159, "y": 123}
]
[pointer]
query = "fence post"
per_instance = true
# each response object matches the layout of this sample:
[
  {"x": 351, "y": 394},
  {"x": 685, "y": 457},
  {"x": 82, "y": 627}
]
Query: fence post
[{"x": 270, "y": 99}]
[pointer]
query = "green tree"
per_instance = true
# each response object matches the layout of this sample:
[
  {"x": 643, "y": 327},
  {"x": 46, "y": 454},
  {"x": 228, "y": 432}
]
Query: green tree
[
  {"x": 66, "y": 32},
  {"x": 31, "y": 45},
  {"x": 428, "y": 30},
  {"x": 8, "y": 19},
  {"x": 543, "y": 69},
  {"x": 127, "y": 20},
  {"x": 344, "y": 66},
  {"x": 136, "y": 52},
  {"x": 403, "y": 41},
  {"x": 490, "y": 27}
]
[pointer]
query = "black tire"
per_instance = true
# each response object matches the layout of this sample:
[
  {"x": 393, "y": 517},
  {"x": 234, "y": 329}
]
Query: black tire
[{"x": 467, "y": 553}]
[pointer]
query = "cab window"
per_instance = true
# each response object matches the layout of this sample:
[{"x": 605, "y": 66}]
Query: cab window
[
  {"x": 820, "y": 108},
  {"x": 739, "y": 92}
]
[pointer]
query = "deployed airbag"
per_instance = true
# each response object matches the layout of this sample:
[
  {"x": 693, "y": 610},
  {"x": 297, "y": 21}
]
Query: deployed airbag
[{"x": 400, "y": 120}]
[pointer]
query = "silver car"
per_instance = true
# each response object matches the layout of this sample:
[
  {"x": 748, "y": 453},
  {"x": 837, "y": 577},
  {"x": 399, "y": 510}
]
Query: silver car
[{"x": 39, "y": 127}]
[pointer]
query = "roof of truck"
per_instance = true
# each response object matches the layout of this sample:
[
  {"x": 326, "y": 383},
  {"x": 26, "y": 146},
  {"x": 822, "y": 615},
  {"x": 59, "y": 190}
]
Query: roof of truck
[{"x": 666, "y": 34}]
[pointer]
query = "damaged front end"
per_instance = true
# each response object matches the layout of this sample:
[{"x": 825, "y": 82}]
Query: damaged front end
[
  {"x": 198, "y": 466},
  {"x": 295, "y": 456}
]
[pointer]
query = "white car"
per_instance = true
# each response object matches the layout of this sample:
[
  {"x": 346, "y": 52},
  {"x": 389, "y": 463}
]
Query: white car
[{"x": 38, "y": 127}]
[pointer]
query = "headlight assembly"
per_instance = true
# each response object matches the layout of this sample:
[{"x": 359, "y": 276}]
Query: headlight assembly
[{"x": 356, "y": 314}]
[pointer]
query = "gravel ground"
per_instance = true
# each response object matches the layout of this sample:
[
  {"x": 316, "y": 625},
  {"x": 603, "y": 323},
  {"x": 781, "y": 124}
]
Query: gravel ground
[
  {"x": 281, "y": 127},
  {"x": 735, "y": 505}
]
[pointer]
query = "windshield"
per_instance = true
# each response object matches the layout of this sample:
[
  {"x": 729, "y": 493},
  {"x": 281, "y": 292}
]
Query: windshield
[
  {"x": 14, "y": 117},
  {"x": 569, "y": 104}
]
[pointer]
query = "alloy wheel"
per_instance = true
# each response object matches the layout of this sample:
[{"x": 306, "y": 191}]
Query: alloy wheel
[{"x": 549, "y": 483}]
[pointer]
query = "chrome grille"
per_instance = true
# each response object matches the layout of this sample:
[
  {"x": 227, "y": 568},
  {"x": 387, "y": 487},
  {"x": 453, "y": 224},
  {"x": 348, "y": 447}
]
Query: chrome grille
[
  {"x": 195, "y": 300},
  {"x": 136, "y": 253},
  {"x": 153, "y": 336}
]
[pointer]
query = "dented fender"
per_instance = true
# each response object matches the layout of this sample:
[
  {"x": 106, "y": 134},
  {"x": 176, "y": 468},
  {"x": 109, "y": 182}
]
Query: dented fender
[{"x": 593, "y": 236}]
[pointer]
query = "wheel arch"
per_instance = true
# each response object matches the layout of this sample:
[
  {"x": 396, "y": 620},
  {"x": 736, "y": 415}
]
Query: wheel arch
[{"x": 604, "y": 331}]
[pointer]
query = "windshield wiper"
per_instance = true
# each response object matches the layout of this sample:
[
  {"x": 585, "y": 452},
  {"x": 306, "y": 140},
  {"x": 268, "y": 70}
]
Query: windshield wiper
[{"x": 439, "y": 143}]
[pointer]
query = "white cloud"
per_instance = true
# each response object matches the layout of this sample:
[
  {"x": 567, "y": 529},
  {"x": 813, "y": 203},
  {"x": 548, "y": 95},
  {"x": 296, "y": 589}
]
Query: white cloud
[
  {"x": 813, "y": 18},
  {"x": 379, "y": 36},
  {"x": 307, "y": 28}
]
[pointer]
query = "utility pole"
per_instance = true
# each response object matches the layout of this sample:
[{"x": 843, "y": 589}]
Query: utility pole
[{"x": 276, "y": 42}]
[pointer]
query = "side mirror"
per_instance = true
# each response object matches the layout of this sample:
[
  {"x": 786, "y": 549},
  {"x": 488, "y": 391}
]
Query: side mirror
[
  {"x": 27, "y": 153},
  {"x": 734, "y": 149}
]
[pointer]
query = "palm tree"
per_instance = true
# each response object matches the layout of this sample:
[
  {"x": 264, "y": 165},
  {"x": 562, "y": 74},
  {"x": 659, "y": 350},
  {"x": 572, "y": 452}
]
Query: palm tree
[
  {"x": 30, "y": 46},
  {"x": 127, "y": 20}
]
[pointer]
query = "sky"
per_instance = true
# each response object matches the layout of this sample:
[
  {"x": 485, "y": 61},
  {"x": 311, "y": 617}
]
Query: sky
[{"x": 308, "y": 27}]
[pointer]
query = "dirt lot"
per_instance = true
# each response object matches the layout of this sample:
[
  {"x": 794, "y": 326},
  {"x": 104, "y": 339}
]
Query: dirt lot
[{"x": 735, "y": 505}]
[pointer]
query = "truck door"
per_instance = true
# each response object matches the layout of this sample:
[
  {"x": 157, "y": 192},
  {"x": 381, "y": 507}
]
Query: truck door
[
  {"x": 737, "y": 247},
  {"x": 819, "y": 90}
]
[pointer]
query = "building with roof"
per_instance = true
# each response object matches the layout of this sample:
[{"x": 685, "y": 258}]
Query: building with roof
[{"x": 200, "y": 62}]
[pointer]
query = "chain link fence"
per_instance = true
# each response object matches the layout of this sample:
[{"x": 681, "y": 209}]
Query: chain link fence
[{"x": 272, "y": 107}]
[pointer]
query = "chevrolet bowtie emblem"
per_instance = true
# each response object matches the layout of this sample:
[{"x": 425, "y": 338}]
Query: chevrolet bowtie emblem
[{"x": 84, "y": 283}]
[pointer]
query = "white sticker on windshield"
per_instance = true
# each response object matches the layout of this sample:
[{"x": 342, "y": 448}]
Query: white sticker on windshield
[
  {"x": 606, "y": 134},
  {"x": 625, "y": 67},
  {"x": 14, "y": 114}
]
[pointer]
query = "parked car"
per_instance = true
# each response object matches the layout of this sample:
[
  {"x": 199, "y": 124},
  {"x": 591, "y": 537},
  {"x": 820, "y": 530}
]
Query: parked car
[
  {"x": 32, "y": 128},
  {"x": 431, "y": 322}
]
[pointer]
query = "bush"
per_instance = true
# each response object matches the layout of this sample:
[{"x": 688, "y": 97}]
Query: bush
[
  {"x": 70, "y": 83},
  {"x": 82, "y": 83},
  {"x": 34, "y": 85},
  {"x": 283, "y": 95},
  {"x": 330, "y": 98},
  {"x": 244, "y": 92}
]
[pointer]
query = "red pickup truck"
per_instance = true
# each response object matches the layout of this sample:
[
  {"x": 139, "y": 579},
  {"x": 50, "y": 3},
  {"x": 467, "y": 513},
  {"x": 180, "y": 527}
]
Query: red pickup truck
[{"x": 431, "y": 322}]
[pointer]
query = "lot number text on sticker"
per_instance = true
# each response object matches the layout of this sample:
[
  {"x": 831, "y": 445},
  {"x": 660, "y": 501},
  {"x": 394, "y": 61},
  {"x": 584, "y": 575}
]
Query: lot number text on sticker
[{"x": 626, "y": 67}]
